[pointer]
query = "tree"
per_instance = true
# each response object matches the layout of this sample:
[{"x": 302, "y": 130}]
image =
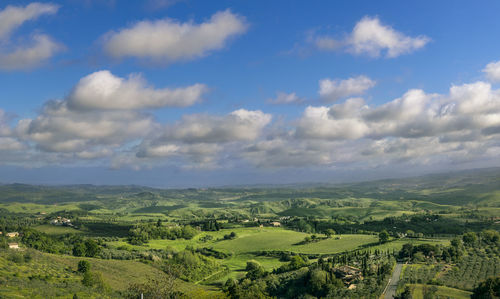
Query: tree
[
  {"x": 317, "y": 281},
  {"x": 488, "y": 289},
  {"x": 490, "y": 236},
  {"x": 406, "y": 294},
  {"x": 188, "y": 232},
  {"x": 94, "y": 279},
  {"x": 79, "y": 249},
  {"x": 91, "y": 248},
  {"x": 156, "y": 288},
  {"x": 254, "y": 270},
  {"x": 297, "y": 262},
  {"x": 83, "y": 266},
  {"x": 469, "y": 238},
  {"x": 329, "y": 232},
  {"x": 383, "y": 236}
]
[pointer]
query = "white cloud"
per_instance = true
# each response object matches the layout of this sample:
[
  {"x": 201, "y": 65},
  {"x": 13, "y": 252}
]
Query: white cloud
[
  {"x": 101, "y": 114},
  {"x": 14, "y": 16},
  {"x": 103, "y": 90},
  {"x": 370, "y": 37},
  {"x": 332, "y": 90},
  {"x": 34, "y": 53},
  {"x": 60, "y": 129},
  {"x": 198, "y": 139},
  {"x": 286, "y": 98},
  {"x": 468, "y": 110},
  {"x": 168, "y": 40},
  {"x": 492, "y": 71},
  {"x": 41, "y": 49},
  {"x": 10, "y": 144},
  {"x": 239, "y": 125},
  {"x": 317, "y": 123}
]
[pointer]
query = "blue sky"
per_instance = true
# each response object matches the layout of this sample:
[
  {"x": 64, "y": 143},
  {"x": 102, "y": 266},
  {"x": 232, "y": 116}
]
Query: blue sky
[{"x": 198, "y": 93}]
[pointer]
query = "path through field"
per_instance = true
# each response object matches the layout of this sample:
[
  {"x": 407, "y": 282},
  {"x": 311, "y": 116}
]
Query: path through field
[{"x": 392, "y": 284}]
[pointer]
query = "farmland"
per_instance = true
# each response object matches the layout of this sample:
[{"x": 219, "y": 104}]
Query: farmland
[{"x": 238, "y": 242}]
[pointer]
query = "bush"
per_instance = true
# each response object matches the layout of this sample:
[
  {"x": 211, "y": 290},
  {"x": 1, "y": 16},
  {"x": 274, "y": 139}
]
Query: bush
[{"x": 83, "y": 266}]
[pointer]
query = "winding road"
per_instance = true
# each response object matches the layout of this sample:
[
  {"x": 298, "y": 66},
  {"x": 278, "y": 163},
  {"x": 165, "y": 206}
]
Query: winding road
[{"x": 392, "y": 284}]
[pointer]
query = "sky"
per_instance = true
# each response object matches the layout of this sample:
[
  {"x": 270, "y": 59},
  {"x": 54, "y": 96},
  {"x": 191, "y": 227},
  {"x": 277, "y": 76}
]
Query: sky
[{"x": 185, "y": 93}]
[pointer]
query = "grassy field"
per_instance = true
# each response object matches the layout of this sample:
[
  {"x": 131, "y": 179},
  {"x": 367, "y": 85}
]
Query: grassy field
[
  {"x": 57, "y": 230},
  {"x": 258, "y": 239},
  {"x": 396, "y": 245},
  {"x": 33, "y": 208},
  {"x": 417, "y": 291}
]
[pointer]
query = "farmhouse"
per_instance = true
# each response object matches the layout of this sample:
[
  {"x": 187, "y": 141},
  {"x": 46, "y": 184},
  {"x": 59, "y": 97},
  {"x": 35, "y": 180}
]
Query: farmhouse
[
  {"x": 348, "y": 274},
  {"x": 61, "y": 221},
  {"x": 12, "y": 234},
  {"x": 13, "y": 246}
]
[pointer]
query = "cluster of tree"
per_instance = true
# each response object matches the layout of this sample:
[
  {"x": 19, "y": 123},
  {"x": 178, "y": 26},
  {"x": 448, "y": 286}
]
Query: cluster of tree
[
  {"x": 419, "y": 253},
  {"x": 487, "y": 237},
  {"x": 418, "y": 225},
  {"x": 213, "y": 253},
  {"x": 322, "y": 279},
  {"x": 64, "y": 244},
  {"x": 314, "y": 238},
  {"x": 191, "y": 265},
  {"x": 141, "y": 234},
  {"x": 43, "y": 242},
  {"x": 87, "y": 247},
  {"x": 230, "y": 236},
  {"x": 490, "y": 288}
]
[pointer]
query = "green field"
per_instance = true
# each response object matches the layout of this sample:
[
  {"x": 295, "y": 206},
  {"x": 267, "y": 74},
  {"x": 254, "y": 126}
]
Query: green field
[
  {"x": 396, "y": 245},
  {"x": 57, "y": 230},
  {"x": 417, "y": 291},
  {"x": 250, "y": 240}
]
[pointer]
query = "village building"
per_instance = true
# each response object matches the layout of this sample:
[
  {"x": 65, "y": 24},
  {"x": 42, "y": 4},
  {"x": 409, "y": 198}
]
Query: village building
[
  {"x": 349, "y": 275},
  {"x": 13, "y": 245},
  {"x": 12, "y": 234},
  {"x": 61, "y": 221}
]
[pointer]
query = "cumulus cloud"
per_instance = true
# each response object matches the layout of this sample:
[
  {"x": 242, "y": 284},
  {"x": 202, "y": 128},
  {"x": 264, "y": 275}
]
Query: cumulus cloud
[
  {"x": 317, "y": 123},
  {"x": 169, "y": 41},
  {"x": 103, "y": 90},
  {"x": 332, "y": 90},
  {"x": 239, "y": 125},
  {"x": 199, "y": 138},
  {"x": 10, "y": 144},
  {"x": 492, "y": 71},
  {"x": 60, "y": 129},
  {"x": 286, "y": 152},
  {"x": 32, "y": 54},
  {"x": 101, "y": 114},
  {"x": 286, "y": 98},
  {"x": 469, "y": 108},
  {"x": 370, "y": 37},
  {"x": 41, "y": 49},
  {"x": 12, "y": 17}
]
